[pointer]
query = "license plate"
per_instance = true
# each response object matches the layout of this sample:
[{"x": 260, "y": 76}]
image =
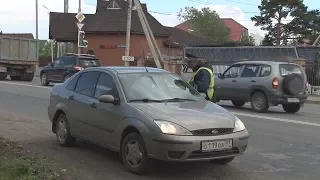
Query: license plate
[
  {"x": 293, "y": 100},
  {"x": 217, "y": 145}
]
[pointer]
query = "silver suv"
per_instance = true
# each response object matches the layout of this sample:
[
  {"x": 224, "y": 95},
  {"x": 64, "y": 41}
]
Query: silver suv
[{"x": 264, "y": 84}]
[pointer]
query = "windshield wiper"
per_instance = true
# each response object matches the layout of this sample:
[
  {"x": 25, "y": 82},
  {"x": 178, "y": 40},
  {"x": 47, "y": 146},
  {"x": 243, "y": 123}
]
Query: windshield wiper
[
  {"x": 146, "y": 100},
  {"x": 177, "y": 99}
]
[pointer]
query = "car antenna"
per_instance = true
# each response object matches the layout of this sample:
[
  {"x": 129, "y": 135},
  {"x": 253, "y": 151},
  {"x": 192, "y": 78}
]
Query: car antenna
[{"x": 146, "y": 68}]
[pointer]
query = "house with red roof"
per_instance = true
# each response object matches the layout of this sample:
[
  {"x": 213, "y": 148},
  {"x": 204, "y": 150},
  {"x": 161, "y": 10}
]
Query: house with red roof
[{"x": 237, "y": 33}]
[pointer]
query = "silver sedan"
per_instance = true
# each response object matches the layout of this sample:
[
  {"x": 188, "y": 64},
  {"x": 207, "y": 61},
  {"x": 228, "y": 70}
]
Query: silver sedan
[{"x": 144, "y": 113}]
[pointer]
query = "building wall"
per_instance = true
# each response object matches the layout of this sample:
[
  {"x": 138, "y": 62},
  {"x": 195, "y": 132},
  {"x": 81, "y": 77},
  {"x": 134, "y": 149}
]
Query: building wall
[{"x": 113, "y": 57}]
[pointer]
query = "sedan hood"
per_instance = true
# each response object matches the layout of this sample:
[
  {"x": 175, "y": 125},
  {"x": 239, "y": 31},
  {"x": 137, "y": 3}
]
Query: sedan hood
[{"x": 191, "y": 115}]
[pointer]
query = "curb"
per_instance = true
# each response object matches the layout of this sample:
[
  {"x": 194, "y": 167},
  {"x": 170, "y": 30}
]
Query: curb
[{"x": 312, "y": 102}]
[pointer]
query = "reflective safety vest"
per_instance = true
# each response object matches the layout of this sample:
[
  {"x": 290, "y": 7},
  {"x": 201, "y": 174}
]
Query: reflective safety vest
[{"x": 210, "y": 90}]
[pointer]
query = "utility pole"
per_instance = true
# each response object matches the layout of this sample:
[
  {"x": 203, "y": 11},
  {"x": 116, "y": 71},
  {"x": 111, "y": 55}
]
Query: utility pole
[
  {"x": 147, "y": 31},
  {"x": 37, "y": 33},
  {"x": 316, "y": 41},
  {"x": 66, "y": 10},
  {"x": 79, "y": 10},
  {"x": 128, "y": 35}
]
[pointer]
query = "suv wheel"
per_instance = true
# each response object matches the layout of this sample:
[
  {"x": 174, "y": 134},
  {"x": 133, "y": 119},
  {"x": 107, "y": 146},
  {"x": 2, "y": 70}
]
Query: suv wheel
[
  {"x": 259, "y": 102},
  {"x": 134, "y": 153},
  {"x": 291, "y": 108},
  {"x": 66, "y": 77},
  {"x": 238, "y": 103},
  {"x": 63, "y": 132},
  {"x": 44, "y": 80}
]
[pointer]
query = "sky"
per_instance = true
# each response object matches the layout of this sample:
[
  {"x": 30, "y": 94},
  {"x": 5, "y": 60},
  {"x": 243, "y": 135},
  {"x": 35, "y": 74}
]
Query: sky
[{"x": 18, "y": 16}]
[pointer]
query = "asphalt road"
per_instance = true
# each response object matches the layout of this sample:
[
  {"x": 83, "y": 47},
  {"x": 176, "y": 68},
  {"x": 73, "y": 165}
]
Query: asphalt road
[{"x": 281, "y": 146}]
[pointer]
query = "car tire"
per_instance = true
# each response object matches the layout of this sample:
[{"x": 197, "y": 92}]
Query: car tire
[
  {"x": 238, "y": 103},
  {"x": 66, "y": 77},
  {"x": 15, "y": 78},
  {"x": 291, "y": 108},
  {"x": 134, "y": 154},
  {"x": 222, "y": 161},
  {"x": 63, "y": 132},
  {"x": 259, "y": 102},
  {"x": 3, "y": 76},
  {"x": 44, "y": 80}
]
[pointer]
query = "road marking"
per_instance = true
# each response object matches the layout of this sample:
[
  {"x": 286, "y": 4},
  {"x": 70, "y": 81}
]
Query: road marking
[
  {"x": 28, "y": 85},
  {"x": 277, "y": 119}
]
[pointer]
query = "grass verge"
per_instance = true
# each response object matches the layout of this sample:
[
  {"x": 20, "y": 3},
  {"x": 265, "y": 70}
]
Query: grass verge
[{"x": 19, "y": 164}]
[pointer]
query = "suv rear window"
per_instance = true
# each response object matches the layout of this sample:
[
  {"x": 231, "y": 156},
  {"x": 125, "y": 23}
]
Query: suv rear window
[
  {"x": 88, "y": 62},
  {"x": 286, "y": 69}
]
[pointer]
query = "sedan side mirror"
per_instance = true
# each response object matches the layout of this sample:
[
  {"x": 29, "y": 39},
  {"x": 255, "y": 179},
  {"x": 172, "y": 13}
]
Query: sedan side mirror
[
  {"x": 50, "y": 64},
  {"x": 220, "y": 76},
  {"x": 108, "y": 99}
]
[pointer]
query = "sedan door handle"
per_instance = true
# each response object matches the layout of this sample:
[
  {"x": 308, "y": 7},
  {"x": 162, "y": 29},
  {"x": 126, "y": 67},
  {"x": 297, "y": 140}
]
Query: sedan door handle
[
  {"x": 93, "y": 105},
  {"x": 234, "y": 81},
  {"x": 71, "y": 97},
  {"x": 253, "y": 81}
]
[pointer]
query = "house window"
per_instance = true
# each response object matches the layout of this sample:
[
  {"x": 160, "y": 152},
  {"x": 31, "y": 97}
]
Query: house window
[{"x": 113, "y": 5}]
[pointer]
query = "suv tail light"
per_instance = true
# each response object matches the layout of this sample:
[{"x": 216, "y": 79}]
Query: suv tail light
[
  {"x": 275, "y": 83},
  {"x": 78, "y": 68}
]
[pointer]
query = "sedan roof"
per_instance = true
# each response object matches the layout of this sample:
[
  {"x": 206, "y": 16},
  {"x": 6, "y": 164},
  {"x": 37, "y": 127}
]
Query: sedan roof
[{"x": 129, "y": 69}]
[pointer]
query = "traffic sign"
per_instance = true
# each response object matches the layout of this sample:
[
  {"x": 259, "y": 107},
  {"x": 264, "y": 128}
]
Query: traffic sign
[
  {"x": 127, "y": 58},
  {"x": 80, "y": 17},
  {"x": 80, "y": 26}
]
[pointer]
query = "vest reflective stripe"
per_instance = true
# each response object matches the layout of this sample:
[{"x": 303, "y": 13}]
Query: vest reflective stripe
[{"x": 210, "y": 90}]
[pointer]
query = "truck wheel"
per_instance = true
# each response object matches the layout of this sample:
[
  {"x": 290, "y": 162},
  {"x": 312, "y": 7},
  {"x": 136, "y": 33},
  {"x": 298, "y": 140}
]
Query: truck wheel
[
  {"x": 44, "y": 80},
  {"x": 291, "y": 108},
  {"x": 27, "y": 76},
  {"x": 259, "y": 102},
  {"x": 15, "y": 78},
  {"x": 3, "y": 75}
]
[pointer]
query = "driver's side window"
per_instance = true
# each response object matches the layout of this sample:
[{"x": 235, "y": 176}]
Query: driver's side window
[{"x": 233, "y": 71}]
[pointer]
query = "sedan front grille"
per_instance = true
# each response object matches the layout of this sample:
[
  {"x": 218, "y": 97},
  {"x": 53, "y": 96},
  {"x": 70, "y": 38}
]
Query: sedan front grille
[
  {"x": 213, "y": 154},
  {"x": 212, "y": 131}
]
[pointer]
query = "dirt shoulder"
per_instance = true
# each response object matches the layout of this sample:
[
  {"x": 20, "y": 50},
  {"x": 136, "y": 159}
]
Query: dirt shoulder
[{"x": 18, "y": 163}]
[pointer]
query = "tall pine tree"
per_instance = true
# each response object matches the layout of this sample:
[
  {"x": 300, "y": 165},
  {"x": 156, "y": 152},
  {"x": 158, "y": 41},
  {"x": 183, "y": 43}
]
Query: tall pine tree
[{"x": 272, "y": 18}]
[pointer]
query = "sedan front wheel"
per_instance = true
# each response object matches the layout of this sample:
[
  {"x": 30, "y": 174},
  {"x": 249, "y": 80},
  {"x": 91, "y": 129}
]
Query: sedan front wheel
[{"x": 134, "y": 153}]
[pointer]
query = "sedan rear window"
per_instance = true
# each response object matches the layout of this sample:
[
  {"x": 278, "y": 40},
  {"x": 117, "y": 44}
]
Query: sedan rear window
[
  {"x": 89, "y": 62},
  {"x": 286, "y": 69}
]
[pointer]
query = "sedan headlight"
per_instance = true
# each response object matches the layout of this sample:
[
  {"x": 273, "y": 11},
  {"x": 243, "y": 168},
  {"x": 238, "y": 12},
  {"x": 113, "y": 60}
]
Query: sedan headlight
[
  {"x": 238, "y": 125},
  {"x": 172, "y": 128}
]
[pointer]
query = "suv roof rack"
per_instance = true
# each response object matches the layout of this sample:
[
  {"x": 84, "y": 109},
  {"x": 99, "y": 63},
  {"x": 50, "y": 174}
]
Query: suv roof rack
[{"x": 72, "y": 54}]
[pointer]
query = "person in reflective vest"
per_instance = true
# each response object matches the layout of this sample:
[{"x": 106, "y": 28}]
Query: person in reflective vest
[{"x": 202, "y": 78}]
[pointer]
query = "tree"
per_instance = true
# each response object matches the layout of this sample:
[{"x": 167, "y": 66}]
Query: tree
[
  {"x": 205, "y": 23},
  {"x": 272, "y": 14},
  {"x": 307, "y": 26},
  {"x": 248, "y": 40}
]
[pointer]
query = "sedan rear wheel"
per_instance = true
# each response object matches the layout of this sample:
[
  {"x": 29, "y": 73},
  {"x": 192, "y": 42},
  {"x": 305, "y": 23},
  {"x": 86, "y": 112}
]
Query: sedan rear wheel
[
  {"x": 63, "y": 132},
  {"x": 222, "y": 161},
  {"x": 134, "y": 153}
]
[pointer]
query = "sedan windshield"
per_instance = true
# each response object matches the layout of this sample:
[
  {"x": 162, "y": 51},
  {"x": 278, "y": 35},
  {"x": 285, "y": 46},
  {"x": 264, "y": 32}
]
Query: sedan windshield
[{"x": 157, "y": 87}]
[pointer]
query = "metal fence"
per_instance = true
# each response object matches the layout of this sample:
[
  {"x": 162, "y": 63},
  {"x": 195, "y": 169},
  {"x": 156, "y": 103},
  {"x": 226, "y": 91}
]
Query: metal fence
[{"x": 221, "y": 57}]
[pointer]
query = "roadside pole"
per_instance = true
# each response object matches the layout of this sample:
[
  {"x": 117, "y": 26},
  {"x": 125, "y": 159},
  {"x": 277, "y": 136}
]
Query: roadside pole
[
  {"x": 79, "y": 11},
  {"x": 147, "y": 33},
  {"x": 37, "y": 35},
  {"x": 128, "y": 34}
]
